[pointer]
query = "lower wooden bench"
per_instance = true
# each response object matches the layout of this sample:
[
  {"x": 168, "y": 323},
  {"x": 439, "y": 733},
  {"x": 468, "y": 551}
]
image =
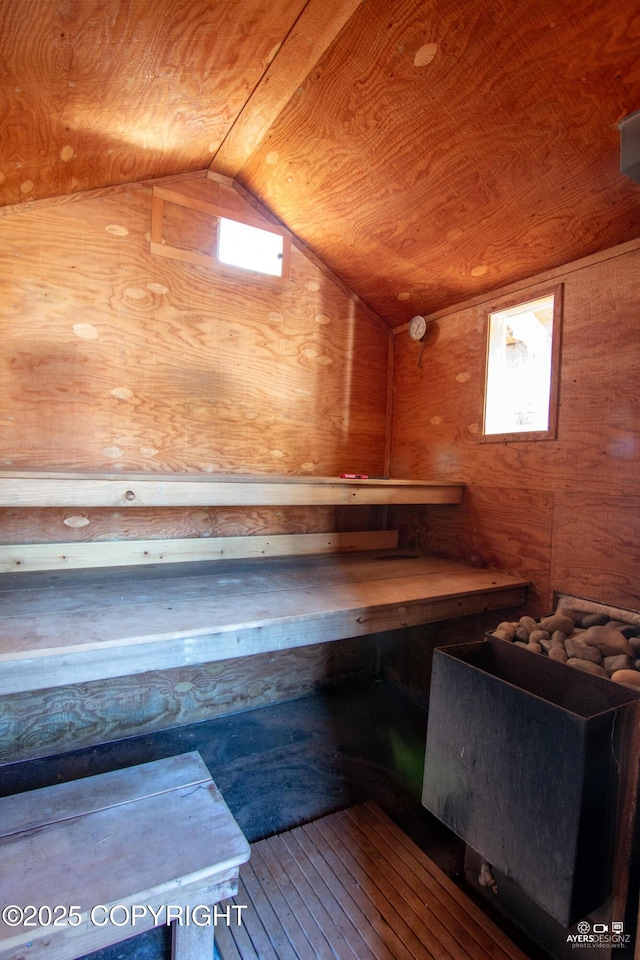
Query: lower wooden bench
[
  {"x": 73, "y": 626},
  {"x": 352, "y": 886},
  {"x": 88, "y": 863}
]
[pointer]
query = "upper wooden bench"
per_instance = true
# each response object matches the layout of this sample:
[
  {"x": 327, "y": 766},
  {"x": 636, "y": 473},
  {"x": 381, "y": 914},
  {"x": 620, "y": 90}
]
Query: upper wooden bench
[
  {"x": 55, "y": 489},
  {"x": 60, "y": 624}
]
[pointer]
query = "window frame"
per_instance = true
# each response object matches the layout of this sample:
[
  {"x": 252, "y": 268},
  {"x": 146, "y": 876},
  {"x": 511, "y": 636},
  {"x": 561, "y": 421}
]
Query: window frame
[
  {"x": 160, "y": 247},
  {"x": 509, "y": 303}
]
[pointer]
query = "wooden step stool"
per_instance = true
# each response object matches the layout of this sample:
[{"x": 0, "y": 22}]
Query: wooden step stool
[{"x": 91, "y": 862}]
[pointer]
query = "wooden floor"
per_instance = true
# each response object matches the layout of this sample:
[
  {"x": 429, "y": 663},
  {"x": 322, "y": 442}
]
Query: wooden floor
[{"x": 352, "y": 886}]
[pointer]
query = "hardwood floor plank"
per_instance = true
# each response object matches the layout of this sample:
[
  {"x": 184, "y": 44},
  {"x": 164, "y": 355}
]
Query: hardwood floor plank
[
  {"x": 329, "y": 894},
  {"x": 379, "y": 884},
  {"x": 262, "y": 908},
  {"x": 372, "y": 893},
  {"x": 370, "y": 909},
  {"x": 305, "y": 901},
  {"x": 226, "y": 945},
  {"x": 482, "y": 928},
  {"x": 446, "y": 918},
  {"x": 234, "y": 942},
  {"x": 293, "y": 913},
  {"x": 374, "y": 945},
  {"x": 410, "y": 900}
]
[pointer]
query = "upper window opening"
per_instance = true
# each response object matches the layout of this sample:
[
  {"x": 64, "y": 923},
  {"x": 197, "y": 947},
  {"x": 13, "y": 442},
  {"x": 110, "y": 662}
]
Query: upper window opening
[
  {"x": 521, "y": 378},
  {"x": 188, "y": 227},
  {"x": 241, "y": 245}
]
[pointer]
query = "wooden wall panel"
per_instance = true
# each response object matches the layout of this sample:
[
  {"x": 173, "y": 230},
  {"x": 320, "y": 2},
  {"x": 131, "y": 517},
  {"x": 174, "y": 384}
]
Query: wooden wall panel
[
  {"x": 427, "y": 150},
  {"x": 596, "y": 547},
  {"x": 437, "y": 406},
  {"x": 52, "y": 524},
  {"x": 499, "y": 528},
  {"x": 67, "y": 718},
  {"x": 115, "y": 359},
  {"x": 564, "y": 511}
]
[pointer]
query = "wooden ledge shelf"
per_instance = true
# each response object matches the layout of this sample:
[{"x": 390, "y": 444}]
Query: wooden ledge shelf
[
  {"x": 47, "y": 489},
  {"x": 76, "y": 626}
]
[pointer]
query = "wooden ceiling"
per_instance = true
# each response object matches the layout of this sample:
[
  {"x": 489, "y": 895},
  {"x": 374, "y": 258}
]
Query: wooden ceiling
[{"x": 427, "y": 151}]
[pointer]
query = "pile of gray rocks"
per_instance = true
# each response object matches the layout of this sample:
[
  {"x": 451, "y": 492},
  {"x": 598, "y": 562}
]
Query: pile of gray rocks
[{"x": 588, "y": 641}]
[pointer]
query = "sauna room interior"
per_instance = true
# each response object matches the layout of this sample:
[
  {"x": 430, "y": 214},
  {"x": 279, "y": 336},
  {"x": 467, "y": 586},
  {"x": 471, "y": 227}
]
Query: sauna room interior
[{"x": 284, "y": 516}]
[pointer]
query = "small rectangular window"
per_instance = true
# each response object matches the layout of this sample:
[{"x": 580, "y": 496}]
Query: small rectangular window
[
  {"x": 192, "y": 229},
  {"x": 241, "y": 245},
  {"x": 522, "y": 369}
]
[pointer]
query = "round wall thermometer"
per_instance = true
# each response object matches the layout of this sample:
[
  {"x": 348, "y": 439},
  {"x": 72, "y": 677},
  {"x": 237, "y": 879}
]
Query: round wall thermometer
[{"x": 417, "y": 328}]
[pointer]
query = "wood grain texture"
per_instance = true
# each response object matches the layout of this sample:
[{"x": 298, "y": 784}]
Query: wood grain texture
[
  {"x": 596, "y": 547},
  {"x": 21, "y": 558},
  {"x": 564, "y": 510},
  {"x": 459, "y": 172},
  {"x": 520, "y": 289},
  {"x": 28, "y": 811},
  {"x": 66, "y": 718},
  {"x": 56, "y": 524},
  {"x": 314, "y": 31},
  {"x": 498, "y": 528},
  {"x": 352, "y": 885},
  {"x": 191, "y": 943},
  {"x": 95, "y": 194},
  {"x": 127, "y": 846},
  {"x": 461, "y": 148},
  {"x": 124, "y": 361},
  {"x": 24, "y": 489},
  {"x": 97, "y": 96},
  {"x": 45, "y": 593},
  {"x": 185, "y": 224},
  {"x": 241, "y": 608}
]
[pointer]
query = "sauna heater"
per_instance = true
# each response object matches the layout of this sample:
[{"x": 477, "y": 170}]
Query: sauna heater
[{"x": 523, "y": 763}]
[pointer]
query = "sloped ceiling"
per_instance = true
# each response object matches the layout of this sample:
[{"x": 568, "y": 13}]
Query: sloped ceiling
[{"x": 427, "y": 151}]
